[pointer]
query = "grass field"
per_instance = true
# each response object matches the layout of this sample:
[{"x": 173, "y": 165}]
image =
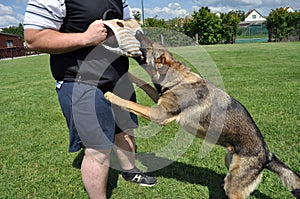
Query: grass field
[{"x": 34, "y": 162}]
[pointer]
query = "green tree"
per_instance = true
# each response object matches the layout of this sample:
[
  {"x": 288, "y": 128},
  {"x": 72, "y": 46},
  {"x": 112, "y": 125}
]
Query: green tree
[
  {"x": 177, "y": 24},
  {"x": 241, "y": 14},
  {"x": 281, "y": 22},
  {"x": 137, "y": 15},
  {"x": 295, "y": 20},
  {"x": 206, "y": 24},
  {"x": 16, "y": 30},
  {"x": 229, "y": 25},
  {"x": 154, "y": 22}
]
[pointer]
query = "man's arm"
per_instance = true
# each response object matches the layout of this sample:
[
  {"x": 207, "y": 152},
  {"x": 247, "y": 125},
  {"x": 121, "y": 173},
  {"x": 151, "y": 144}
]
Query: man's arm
[{"x": 55, "y": 42}]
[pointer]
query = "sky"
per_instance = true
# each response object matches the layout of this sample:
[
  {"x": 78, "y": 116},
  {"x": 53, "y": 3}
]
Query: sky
[{"x": 12, "y": 11}]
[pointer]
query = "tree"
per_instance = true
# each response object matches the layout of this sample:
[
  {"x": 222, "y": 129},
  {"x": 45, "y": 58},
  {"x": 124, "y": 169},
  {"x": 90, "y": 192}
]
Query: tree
[
  {"x": 16, "y": 30},
  {"x": 154, "y": 22},
  {"x": 241, "y": 14},
  {"x": 177, "y": 24},
  {"x": 206, "y": 24},
  {"x": 137, "y": 15},
  {"x": 295, "y": 19},
  {"x": 229, "y": 24},
  {"x": 280, "y": 23}
]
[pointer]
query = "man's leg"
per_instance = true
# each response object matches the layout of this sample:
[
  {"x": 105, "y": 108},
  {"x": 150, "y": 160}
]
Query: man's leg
[
  {"x": 94, "y": 171},
  {"x": 125, "y": 150}
]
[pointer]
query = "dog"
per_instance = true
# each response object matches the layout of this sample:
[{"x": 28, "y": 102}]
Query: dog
[{"x": 197, "y": 106}]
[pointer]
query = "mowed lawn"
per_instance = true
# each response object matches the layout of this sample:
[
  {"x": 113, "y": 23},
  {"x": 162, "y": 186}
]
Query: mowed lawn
[{"x": 34, "y": 162}]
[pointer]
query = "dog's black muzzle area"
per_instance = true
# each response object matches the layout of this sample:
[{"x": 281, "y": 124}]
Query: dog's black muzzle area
[
  {"x": 139, "y": 36},
  {"x": 144, "y": 41}
]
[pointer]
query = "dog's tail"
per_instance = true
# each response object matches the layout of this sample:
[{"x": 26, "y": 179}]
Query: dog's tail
[{"x": 288, "y": 177}]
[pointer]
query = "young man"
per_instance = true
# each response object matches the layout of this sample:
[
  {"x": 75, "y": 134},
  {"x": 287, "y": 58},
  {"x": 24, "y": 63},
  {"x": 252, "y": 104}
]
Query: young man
[{"x": 71, "y": 31}]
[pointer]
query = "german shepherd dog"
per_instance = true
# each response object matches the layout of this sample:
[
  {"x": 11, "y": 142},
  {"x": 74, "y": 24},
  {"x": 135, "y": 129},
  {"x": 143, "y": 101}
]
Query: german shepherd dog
[{"x": 247, "y": 153}]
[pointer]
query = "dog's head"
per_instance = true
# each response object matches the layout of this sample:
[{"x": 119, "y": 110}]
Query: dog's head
[{"x": 156, "y": 59}]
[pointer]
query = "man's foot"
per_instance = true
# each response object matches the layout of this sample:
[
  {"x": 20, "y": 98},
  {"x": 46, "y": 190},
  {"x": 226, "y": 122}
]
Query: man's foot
[{"x": 135, "y": 175}]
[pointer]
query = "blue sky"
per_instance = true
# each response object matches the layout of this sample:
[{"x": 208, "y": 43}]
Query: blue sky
[{"x": 12, "y": 11}]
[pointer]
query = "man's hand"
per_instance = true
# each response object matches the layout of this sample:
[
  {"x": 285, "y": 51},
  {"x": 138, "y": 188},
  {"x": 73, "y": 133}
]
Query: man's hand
[{"x": 95, "y": 34}]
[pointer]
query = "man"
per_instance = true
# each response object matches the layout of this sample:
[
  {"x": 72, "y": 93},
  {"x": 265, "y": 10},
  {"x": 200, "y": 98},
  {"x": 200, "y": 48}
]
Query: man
[{"x": 71, "y": 32}]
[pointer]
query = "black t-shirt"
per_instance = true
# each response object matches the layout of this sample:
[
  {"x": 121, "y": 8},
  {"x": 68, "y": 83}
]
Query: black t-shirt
[{"x": 93, "y": 65}]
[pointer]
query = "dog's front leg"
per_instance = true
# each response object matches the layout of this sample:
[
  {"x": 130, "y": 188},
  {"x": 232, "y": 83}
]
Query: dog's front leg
[
  {"x": 149, "y": 90},
  {"x": 156, "y": 115}
]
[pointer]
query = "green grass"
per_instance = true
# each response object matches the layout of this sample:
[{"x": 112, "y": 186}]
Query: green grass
[{"x": 34, "y": 162}]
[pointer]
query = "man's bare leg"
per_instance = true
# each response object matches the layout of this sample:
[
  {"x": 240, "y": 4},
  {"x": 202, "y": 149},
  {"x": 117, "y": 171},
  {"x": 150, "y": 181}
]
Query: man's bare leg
[
  {"x": 125, "y": 149},
  {"x": 94, "y": 171}
]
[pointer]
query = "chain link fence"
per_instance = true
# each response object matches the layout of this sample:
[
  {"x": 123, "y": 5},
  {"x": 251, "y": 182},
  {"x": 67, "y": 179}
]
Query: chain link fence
[
  {"x": 292, "y": 36},
  {"x": 252, "y": 33},
  {"x": 168, "y": 37}
]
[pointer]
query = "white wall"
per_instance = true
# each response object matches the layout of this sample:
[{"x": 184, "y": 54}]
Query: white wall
[{"x": 255, "y": 16}]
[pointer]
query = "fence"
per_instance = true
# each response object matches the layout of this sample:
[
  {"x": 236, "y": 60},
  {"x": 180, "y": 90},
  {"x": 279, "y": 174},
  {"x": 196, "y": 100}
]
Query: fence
[
  {"x": 14, "y": 52},
  {"x": 292, "y": 36},
  {"x": 252, "y": 33},
  {"x": 168, "y": 37}
]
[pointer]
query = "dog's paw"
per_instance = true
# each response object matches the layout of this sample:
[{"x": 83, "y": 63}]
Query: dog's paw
[
  {"x": 114, "y": 99},
  {"x": 168, "y": 120},
  {"x": 109, "y": 96}
]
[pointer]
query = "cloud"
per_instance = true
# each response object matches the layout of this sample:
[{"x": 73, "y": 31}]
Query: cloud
[
  {"x": 8, "y": 16},
  {"x": 264, "y": 6},
  {"x": 168, "y": 12},
  {"x": 21, "y": 1},
  {"x": 7, "y": 20},
  {"x": 231, "y": 3},
  {"x": 6, "y": 10}
]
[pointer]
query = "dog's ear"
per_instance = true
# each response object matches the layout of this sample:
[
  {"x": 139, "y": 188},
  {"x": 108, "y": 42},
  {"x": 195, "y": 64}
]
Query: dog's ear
[
  {"x": 164, "y": 59},
  {"x": 167, "y": 58},
  {"x": 163, "y": 62}
]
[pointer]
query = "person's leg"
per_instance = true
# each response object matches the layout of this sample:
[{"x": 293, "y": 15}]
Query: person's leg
[
  {"x": 91, "y": 124},
  {"x": 125, "y": 150},
  {"x": 94, "y": 171},
  {"x": 124, "y": 140}
]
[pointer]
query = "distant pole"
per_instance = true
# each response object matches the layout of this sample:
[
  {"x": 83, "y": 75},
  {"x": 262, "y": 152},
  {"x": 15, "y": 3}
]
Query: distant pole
[
  {"x": 162, "y": 40},
  {"x": 143, "y": 16}
]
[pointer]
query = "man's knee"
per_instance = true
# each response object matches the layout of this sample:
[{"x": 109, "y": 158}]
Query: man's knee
[{"x": 101, "y": 156}]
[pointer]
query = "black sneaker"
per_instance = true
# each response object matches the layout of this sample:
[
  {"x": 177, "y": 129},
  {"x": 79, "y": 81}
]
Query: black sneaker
[{"x": 135, "y": 175}]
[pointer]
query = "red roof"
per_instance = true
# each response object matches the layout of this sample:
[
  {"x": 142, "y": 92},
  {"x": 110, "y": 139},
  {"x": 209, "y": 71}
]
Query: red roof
[{"x": 250, "y": 11}]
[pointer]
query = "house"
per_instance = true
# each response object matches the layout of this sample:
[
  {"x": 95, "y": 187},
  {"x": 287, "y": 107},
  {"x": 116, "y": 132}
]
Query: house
[
  {"x": 11, "y": 46},
  {"x": 253, "y": 28},
  {"x": 254, "y": 16},
  {"x": 10, "y": 40},
  {"x": 289, "y": 9}
]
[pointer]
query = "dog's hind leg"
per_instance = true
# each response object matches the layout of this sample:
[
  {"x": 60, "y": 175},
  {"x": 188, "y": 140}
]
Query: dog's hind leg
[
  {"x": 244, "y": 175},
  {"x": 149, "y": 90}
]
